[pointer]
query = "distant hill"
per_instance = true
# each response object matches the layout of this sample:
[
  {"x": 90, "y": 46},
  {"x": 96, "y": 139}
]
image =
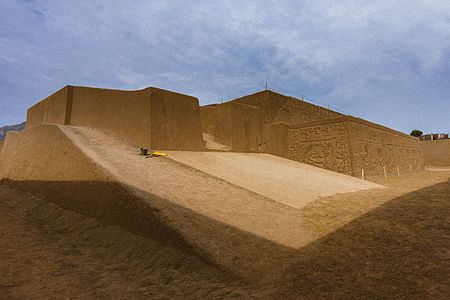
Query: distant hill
[{"x": 5, "y": 129}]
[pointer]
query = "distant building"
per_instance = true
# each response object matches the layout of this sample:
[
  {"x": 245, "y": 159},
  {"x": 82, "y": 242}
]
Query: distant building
[{"x": 434, "y": 137}]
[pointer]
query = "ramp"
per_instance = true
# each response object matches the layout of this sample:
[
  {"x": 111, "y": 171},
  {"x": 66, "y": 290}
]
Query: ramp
[
  {"x": 222, "y": 211},
  {"x": 282, "y": 180}
]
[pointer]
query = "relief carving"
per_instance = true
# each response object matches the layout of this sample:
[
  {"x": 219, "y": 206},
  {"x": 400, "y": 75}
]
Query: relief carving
[{"x": 323, "y": 146}]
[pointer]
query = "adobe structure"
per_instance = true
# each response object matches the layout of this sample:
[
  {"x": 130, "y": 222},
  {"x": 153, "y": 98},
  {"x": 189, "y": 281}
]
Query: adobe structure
[
  {"x": 264, "y": 122},
  {"x": 288, "y": 127},
  {"x": 151, "y": 117},
  {"x": 436, "y": 152}
]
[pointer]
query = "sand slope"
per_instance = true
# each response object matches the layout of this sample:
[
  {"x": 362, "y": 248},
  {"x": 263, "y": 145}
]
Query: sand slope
[
  {"x": 378, "y": 243},
  {"x": 209, "y": 213},
  {"x": 283, "y": 180}
]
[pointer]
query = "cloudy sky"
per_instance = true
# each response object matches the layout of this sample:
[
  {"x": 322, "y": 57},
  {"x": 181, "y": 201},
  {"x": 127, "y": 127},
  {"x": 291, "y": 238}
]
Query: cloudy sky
[{"x": 385, "y": 61}]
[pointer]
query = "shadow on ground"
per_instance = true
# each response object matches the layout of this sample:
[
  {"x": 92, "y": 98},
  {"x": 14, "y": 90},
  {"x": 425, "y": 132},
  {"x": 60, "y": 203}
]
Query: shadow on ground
[{"x": 400, "y": 249}]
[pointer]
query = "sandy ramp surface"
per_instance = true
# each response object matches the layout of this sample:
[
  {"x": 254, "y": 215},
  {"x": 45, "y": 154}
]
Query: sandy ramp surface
[
  {"x": 200, "y": 236},
  {"x": 283, "y": 180}
]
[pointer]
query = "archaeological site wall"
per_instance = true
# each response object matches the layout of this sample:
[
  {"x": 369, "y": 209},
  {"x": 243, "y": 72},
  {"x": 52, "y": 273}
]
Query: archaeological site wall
[
  {"x": 279, "y": 108},
  {"x": 347, "y": 145},
  {"x": 1, "y": 146},
  {"x": 53, "y": 109},
  {"x": 175, "y": 120},
  {"x": 236, "y": 125},
  {"x": 436, "y": 153},
  {"x": 150, "y": 117},
  {"x": 266, "y": 107},
  {"x": 208, "y": 115},
  {"x": 125, "y": 113},
  {"x": 374, "y": 147}
]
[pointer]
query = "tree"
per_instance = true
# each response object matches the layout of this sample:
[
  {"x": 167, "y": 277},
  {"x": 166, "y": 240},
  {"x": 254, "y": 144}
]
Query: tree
[{"x": 416, "y": 133}]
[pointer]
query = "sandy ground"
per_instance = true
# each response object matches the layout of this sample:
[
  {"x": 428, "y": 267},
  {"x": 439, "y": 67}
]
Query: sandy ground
[
  {"x": 50, "y": 253},
  {"x": 380, "y": 243},
  {"x": 389, "y": 243},
  {"x": 283, "y": 180}
]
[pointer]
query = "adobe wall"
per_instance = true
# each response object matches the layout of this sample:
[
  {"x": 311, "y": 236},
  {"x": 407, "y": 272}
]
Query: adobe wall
[
  {"x": 347, "y": 145},
  {"x": 244, "y": 124},
  {"x": 223, "y": 127},
  {"x": 436, "y": 153},
  {"x": 208, "y": 116},
  {"x": 175, "y": 121},
  {"x": 277, "y": 139},
  {"x": 323, "y": 144},
  {"x": 279, "y": 108},
  {"x": 125, "y": 113},
  {"x": 151, "y": 117},
  {"x": 374, "y": 146},
  {"x": 247, "y": 128},
  {"x": 236, "y": 125},
  {"x": 53, "y": 109},
  {"x": 1, "y": 146}
]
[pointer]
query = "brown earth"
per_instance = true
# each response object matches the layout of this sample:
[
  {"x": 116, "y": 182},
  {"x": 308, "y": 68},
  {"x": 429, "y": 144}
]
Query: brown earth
[{"x": 383, "y": 243}]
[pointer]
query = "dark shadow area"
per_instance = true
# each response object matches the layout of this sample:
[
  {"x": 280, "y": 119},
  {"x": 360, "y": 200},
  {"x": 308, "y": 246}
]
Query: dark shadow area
[
  {"x": 234, "y": 251},
  {"x": 400, "y": 249}
]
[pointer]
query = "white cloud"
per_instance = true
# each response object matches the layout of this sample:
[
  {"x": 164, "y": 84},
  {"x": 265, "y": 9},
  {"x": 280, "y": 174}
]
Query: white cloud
[{"x": 343, "y": 51}]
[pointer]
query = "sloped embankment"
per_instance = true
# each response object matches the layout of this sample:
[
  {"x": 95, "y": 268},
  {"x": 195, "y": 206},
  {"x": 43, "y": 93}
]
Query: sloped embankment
[{"x": 232, "y": 227}]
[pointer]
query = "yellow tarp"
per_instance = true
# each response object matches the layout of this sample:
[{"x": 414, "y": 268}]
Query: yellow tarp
[{"x": 158, "y": 154}]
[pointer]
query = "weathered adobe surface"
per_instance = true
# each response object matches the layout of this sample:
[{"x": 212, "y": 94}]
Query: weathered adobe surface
[
  {"x": 314, "y": 135},
  {"x": 243, "y": 124},
  {"x": 377, "y": 244},
  {"x": 436, "y": 153},
  {"x": 150, "y": 117},
  {"x": 202, "y": 213},
  {"x": 348, "y": 145}
]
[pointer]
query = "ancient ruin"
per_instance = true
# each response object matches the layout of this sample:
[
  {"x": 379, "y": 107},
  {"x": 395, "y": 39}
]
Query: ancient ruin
[
  {"x": 249, "y": 188},
  {"x": 150, "y": 117},
  {"x": 288, "y": 127},
  {"x": 264, "y": 122}
]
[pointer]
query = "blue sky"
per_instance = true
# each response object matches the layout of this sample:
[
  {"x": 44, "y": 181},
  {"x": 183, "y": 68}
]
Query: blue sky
[{"x": 385, "y": 61}]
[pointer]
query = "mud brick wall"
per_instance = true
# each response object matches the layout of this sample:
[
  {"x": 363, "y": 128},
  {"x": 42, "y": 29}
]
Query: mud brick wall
[
  {"x": 279, "y": 108},
  {"x": 374, "y": 147},
  {"x": 436, "y": 153},
  {"x": 323, "y": 144},
  {"x": 151, "y": 117},
  {"x": 236, "y": 125},
  {"x": 347, "y": 145}
]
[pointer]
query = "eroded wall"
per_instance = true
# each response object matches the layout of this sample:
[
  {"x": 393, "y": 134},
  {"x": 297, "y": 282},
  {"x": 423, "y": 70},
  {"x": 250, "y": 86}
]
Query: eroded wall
[
  {"x": 236, "y": 125},
  {"x": 374, "y": 147},
  {"x": 348, "y": 145},
  {"x": 246, "y": 122},
  {"x": 323, "y": 144},
  {"x": 223, "y": 126},
  {"x": 247, "y": 128},
  {"x": 151, "y": 117},
  {"x": 53, "y": 109},
  {"x": 125, "y": 113},
  {"x": 436, "y": 153},
  {"x": 279, "y": 108},
  {"x": 208, "y": 115},
  {"x": 1, "y": 146},
  {"x": 175, "y": 120}
]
